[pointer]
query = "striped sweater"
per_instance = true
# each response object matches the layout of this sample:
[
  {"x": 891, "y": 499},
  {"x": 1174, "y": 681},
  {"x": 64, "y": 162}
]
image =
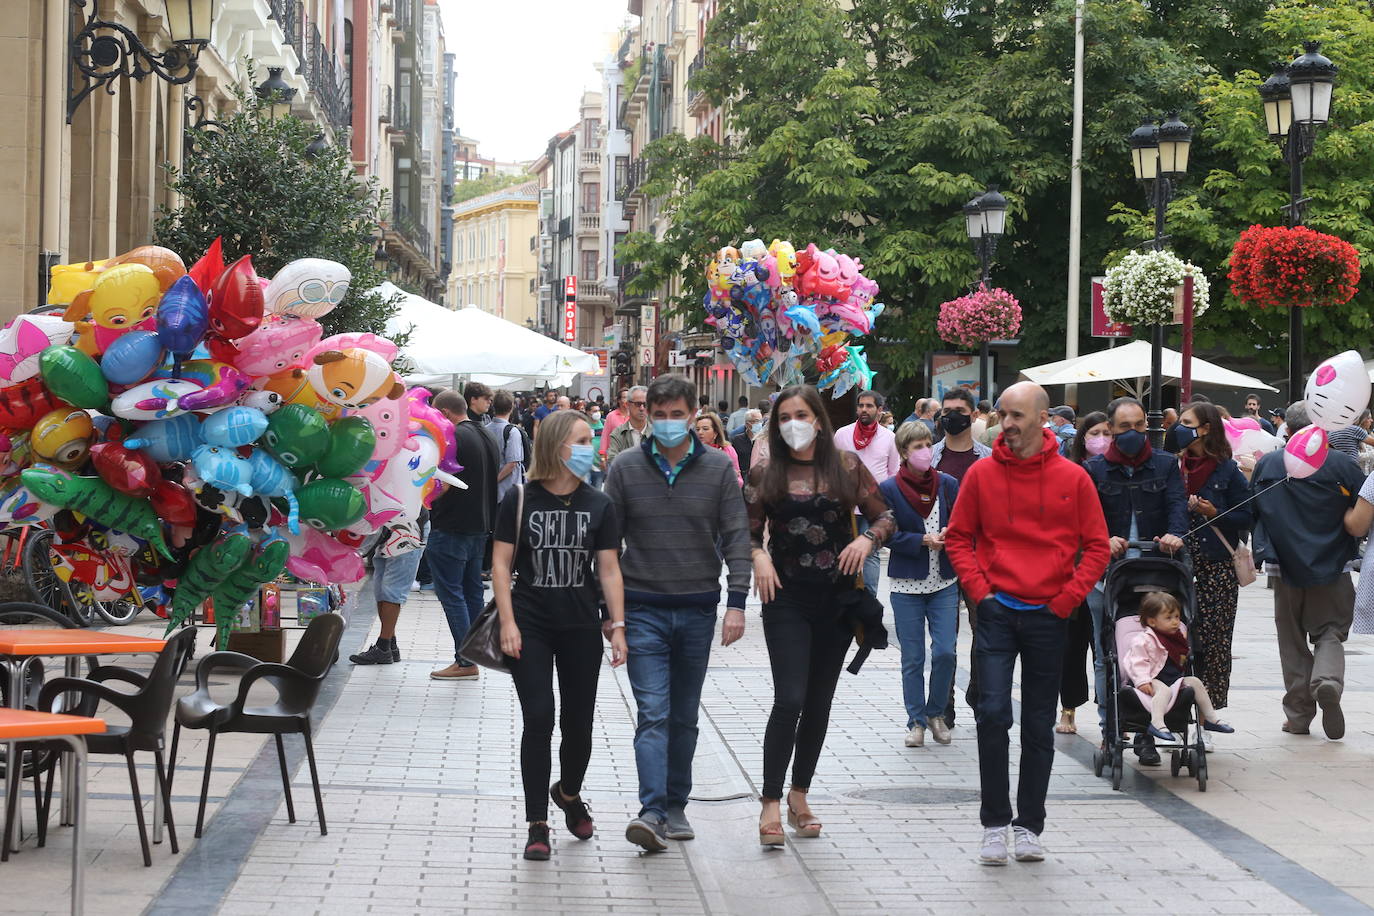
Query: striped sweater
[{"x": 671, "y": 532}]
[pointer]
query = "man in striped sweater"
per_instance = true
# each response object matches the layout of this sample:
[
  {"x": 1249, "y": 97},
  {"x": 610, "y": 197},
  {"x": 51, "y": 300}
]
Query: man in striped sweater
[{"x": 677, "y": 501}]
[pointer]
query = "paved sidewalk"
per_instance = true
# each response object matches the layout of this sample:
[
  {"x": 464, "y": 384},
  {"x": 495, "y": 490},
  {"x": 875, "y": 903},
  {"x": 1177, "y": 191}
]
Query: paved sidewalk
[{"x": 421, "y": 792}]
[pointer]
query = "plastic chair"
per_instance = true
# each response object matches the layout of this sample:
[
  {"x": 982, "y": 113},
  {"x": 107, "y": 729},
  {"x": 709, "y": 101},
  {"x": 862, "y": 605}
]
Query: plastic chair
[
  {"x": 147, "y": 710},
  {"x": 297, "y": 684}
]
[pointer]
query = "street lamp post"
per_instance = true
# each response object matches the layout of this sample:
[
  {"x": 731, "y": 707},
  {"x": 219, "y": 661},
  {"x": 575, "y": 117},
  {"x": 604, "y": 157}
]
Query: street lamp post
[
  {"x": 1159, "y": 155},
  {"x": 1297, "y": 101},
  {"x": 275, "y": 93},
  {"x": 985, "y": 220}
]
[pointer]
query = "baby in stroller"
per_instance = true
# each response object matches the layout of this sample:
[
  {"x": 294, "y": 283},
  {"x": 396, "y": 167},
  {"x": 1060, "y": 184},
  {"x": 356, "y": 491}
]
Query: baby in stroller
[{"x": 1155, "y": 662}]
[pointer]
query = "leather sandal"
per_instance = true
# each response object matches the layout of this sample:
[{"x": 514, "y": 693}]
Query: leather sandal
[
  {"x": 805, "y": 823},
  {"x": 1066, "y": 724}
]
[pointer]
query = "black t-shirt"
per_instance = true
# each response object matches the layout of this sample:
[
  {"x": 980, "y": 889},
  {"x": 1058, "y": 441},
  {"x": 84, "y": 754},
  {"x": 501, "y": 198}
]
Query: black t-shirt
[
  {"x": 470, "y": 511},
  {"x": 555, "y": 581}
]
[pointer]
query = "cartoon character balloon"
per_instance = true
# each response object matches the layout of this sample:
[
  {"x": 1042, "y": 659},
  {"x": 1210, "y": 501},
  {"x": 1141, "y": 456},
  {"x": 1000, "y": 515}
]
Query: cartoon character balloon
[
  {"x": 22, "y": 342},
  {"x": 1338, "y": 391},
  {"x": 308, "y": 288},
  {"x": 1305, "y": 452},
  {"x": 353, "y": 378}
]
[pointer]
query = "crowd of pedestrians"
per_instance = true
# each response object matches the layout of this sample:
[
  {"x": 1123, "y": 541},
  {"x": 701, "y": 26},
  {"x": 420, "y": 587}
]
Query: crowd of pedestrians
[{"x": 596, "y": 523}]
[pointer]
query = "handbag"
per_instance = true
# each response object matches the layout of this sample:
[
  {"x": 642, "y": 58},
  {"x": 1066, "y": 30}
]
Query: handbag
[
  {"x": 482, "y": 645},
  {"x": 864, "y": 614},
  {"x": 1241, "y": 559}
]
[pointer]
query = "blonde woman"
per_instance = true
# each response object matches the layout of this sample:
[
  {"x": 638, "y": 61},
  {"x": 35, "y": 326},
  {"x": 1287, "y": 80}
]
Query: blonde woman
[{"x": 569, "y": 543}]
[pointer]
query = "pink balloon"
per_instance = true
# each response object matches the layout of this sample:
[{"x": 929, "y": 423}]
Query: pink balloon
[{"x": 1305, "y": 452}]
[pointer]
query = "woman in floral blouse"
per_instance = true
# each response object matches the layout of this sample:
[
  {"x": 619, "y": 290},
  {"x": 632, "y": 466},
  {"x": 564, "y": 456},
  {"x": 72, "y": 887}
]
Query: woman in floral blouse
[{"x": 803, "y": 497}]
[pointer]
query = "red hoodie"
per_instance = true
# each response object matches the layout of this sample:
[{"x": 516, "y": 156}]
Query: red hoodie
[{"x": 1018, "y": 527}]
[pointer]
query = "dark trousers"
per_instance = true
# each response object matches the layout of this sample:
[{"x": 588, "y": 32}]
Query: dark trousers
[
  {"x": 971, "y": 694},
  {"x": 455, "y": 562},
  {"x": 577, "y": 653},
  {"x": 1037, "y": 638},
  {"x": 807, "y": 639},
  {"x": 1073, "y": 676}
]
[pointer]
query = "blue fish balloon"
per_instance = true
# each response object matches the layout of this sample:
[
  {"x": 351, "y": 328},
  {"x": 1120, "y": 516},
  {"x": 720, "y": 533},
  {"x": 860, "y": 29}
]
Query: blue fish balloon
[{"x": 182, "y": 319}]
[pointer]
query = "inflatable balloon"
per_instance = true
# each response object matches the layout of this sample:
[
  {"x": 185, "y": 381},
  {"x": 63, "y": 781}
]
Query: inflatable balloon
[
  {"x": 1338, "y": 391},
  {"x": 351, "y": 445},
  {"x": 206, "y": 272},
  {"x": 63, "y": 437},
  {"x": 308, "y": 288},
  {"x": 236, "y": 301},
  {"x": 74, "y": 377},
  {"x": 1305, "y": 452},
  {"x": 234, "y": 427},
  {"x": 242, "y": 584},
  {"x": 151, "y": 400},
  {"x": 318, "y": 557},
  {"x": 21, "y": 405},
  {"x": 329, "y": 504},
  {"x": 353, "y": 378},
  {"x": 165, "y": 263},
  {"x": 183, "y": 316},
  {"x": 127, "y": 470},
  {"x": 270, "y": 478},
  {"x": 223, "y": 468},
  {"x": 67, "y": 281},
  {"x": 1248, "y": 438},
  {"x": 132, "y": 358},
  {"x": 172, "y": 439},
  {"x": 390, "y": 421},
  {"x": 19, "y": 507},
  {"x": 105, "y": 505},
  {"x": 296, "y": 436},
  {"x": 211, "y": 565},
  {"x": 23, "y": 341},
  {"x": 123, "y": 298},
  {"x": 281, "y": 343}
]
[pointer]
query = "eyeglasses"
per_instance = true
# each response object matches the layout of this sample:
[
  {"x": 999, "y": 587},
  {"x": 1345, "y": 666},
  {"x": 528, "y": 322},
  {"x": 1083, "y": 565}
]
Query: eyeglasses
[{"x": 638, "y": 403}]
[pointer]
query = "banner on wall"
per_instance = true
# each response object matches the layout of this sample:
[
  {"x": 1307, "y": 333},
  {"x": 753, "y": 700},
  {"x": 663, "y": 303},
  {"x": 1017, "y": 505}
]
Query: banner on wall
[{"x": 948, "y": 371}]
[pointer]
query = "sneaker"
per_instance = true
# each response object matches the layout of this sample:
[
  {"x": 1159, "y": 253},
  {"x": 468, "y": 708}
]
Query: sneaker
[
  {"x": 537, "y": 847},
  {"x": 415, "y": 586},
  {"x": 1028, "y": 848},
  {"x": 916, "y": 736},
  {"x": 378, "y": 654},
  {"x": 395, "y": 650},
  {"x": 938, "y": 730},
  {"x": 994, "y": 851},
  {"x": 575, "y": 812},
  {"x": 646, "y": 832},
  {"x": 455, "y": 672},
  {"x": 1145, "y": 750},
  {"x": 1333, "y": 720},
  {"x": 677, "y": 827},
  {"x": 426, "y": 586}
]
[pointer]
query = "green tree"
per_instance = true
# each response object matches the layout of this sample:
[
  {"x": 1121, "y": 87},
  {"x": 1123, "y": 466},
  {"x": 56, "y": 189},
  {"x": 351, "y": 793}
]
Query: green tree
[
  {"x": 252, "y": 182},
  {"x": 868, "y": 128},
  {"x": 486, "y": 184}
]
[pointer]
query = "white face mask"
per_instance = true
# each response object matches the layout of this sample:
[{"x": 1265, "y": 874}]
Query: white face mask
[{"x": 798, "y": 433}]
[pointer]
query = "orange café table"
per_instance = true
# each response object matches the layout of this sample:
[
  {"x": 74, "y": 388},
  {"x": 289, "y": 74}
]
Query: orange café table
[{"x": 27, "y": 725}]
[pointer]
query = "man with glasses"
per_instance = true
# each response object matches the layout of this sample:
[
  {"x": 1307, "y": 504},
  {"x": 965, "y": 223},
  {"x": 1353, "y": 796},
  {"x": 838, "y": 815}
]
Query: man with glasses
[{"x": 631, "y": 433}]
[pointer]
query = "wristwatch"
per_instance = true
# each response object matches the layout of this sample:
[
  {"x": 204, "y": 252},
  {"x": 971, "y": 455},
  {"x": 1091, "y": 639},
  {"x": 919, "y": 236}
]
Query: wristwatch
[{"x": 871, "y": 536}]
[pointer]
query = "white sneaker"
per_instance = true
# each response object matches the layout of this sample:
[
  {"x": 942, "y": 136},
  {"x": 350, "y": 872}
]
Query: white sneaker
[
  {"x": 916, "y": 736},
  {"x": 994, "y": 851},
  {"x": 415, "y": 586},
  {"x": 1028, "y": 848},
  {"x": 1207, "y": 741},
  {"x": 939, "y": 730}
]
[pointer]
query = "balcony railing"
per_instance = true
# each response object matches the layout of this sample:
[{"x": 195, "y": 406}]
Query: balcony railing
[
  {"x": 287, "y": 14},
  {"x": 384, "y": 113},
  {"x": 405, "y": 15},
  {"x": 565, "y": 227},
  {"x": 695, "y": 67},
  {"x": 590, "y": 289},
  {"x": 591, "y": 158},
  {"x": 327, "y": 80},
  {"x": 589, "y": 221},
  {"x": 407, "y": 225},
  {"x": 634, "y": 177},
  {"x": 400, "y": 111}
]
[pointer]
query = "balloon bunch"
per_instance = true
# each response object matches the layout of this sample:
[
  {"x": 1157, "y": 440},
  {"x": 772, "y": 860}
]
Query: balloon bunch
[
  {"x": 776, "y": 308},
  {"x": 1336, "y": 394},
  {"x": 194, "y": 423}
]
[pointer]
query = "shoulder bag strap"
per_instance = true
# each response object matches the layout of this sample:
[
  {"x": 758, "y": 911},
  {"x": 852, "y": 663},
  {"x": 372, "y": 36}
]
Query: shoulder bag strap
[
  {"x": 1221, "y": 537},
  {"x": 519, "y": 524}
]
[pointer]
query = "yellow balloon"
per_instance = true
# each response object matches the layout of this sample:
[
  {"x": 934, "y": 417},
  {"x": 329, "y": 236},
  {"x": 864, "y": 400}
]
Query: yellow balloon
[{"x": 65, "y": 281}]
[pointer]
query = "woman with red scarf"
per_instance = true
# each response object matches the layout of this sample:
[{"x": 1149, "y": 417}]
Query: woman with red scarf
[
  {"x": 925, "y": 593},
  {"x": 1215, "y": 485}
]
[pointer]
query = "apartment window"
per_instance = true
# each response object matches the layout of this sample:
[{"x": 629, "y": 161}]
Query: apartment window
[
  {"x": 588, "y": 272},
  {"x": 615, "y": 256},
  {"x": 591, "y": 197},
  {"x": 622, "y": 174},
  {"x": 590, "y": 127}
]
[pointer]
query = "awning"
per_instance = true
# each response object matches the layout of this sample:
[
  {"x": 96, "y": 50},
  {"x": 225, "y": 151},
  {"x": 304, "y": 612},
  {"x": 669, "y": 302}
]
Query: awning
[{"x": 1130, "y": 364}]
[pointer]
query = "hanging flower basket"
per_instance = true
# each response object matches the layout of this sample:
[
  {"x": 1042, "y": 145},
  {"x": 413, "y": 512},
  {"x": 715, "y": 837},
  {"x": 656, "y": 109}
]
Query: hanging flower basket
[
  {"x": 986, "y": 314},
  {"x": 1141, "y": 289},
  {"x": 1281, "y": 266}
]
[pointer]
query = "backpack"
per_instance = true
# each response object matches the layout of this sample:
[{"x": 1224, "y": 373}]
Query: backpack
[{"x": 524, "y": 445}]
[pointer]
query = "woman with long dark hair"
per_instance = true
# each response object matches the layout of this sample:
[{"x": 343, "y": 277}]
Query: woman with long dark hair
[
  {"x": 803, "y": 499},
  {"x": 1094, "y": 437},
  {"x": 1214, "y": 484}
]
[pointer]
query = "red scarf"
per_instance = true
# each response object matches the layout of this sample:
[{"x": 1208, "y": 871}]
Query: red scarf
[
  {"x": 864, "y": 435},
  {"x": 1175, "y": 644},
  {"x": 1115, "y": 456},
  {"x": 1196, "y": 471},
  {"x": 919, "y": 491}
]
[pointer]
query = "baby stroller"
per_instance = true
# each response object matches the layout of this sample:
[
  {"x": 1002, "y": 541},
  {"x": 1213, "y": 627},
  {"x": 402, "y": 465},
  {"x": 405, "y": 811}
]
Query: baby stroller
[{"x": 1128, "y": 580}]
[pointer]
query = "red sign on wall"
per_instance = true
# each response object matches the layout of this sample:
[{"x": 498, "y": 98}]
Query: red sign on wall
[
  {"x": 1102, "y": 325},
  {"x": 570, "y": 308}
]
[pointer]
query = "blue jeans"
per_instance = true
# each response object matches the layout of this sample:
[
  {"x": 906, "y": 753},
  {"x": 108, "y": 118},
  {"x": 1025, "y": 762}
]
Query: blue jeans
[
  {"x": 1097, "y": 608},
  {"x": 455, "y": 562},
  {"x": 913, "y": 614},
  {"x": 669, "y": 649},
  {"x": 872, "y": 565},
  {"x": 1038, "y": 638}
]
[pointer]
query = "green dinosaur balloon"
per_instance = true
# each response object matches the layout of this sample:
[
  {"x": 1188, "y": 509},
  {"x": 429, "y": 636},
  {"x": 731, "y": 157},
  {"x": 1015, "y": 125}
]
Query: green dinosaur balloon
[
  {"x": 103, "y": 503},
  {"x": 211, "y": 565},
  {"x": 296, "y": 435},
  {"x": 351, "y": 443},
  {"x": 74, "y": 377},
  {"x": 330, "y": 504},
  {"x": 242, "y": 584}
]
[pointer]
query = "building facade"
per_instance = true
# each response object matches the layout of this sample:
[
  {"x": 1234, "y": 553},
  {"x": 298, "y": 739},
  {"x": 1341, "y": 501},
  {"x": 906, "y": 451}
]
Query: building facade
[{"x": 495, "y": 241}]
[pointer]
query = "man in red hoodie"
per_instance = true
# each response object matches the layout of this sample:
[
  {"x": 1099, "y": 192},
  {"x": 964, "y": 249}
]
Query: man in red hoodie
[{"x": 1028, "y": 541}]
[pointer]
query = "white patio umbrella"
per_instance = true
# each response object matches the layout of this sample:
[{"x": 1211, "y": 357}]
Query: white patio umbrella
[
  {"x": 1131, "y": 363},
  {"x": 470, "y": 342}
]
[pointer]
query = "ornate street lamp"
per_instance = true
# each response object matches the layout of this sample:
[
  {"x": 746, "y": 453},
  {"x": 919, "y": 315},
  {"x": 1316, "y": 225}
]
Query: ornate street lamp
[
  {"x": 275, "y": 93},
  {"x": 317, "y": 146},
  {"x": 985, "y": 221},
  {"x": 1297, "y": 101},
  {"x": 103, "y": 51},
  {"x": 1159, "y": 155}
]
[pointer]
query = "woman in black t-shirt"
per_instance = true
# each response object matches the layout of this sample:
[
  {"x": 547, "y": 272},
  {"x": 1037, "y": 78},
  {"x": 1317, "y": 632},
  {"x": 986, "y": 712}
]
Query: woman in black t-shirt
[{"x": 552, "y": 615}]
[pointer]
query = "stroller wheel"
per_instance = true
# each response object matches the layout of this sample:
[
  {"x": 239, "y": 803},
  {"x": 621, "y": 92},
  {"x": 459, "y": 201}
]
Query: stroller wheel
[
  {"x": 1202, "y": 774},
  {"x": 1099, "y": 760},
  {"x": 1175, "y": 763},
  {"x": 1188, "y": 761},
  {"x": 1117, "y": 769}
]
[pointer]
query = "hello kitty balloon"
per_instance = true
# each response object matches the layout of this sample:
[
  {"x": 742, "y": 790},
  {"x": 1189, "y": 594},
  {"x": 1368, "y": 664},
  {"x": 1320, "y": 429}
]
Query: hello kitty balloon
[
  {"x": 1305, "y": 452},
  {"x": 1338, "y": 391}
]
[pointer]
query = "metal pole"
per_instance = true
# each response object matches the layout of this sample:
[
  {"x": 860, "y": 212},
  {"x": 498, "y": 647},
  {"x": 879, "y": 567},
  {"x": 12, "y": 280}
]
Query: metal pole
[
  {"x": 1187, "y": 380},
  {"x": 1075, "y": 201},
  {"x": 1156, "y": 412},
  {"x": 1295, "y": 150},
  {"x": 984, "y": 392}
]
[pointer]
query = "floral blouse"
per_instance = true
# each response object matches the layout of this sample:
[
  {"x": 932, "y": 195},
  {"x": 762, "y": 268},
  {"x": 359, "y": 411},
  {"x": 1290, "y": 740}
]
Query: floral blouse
[{"x": 807, "y": 532}]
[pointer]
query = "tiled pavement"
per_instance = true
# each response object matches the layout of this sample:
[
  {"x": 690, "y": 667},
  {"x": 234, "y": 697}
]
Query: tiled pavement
[{"x": 421, "y": 792}]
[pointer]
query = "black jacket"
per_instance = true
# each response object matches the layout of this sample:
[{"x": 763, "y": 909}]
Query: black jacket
[
  {"x": 1227, "y": 487},
  {"x": 470, "y": 511},
  {"x": 1153, "y": 492},
  {"x": 744, "y": 450}
]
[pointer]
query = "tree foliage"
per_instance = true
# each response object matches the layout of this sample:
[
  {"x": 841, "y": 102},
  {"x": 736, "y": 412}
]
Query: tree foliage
[
  {"x": 869, "y": 127},
  {"x": 250, "y": 181},
  {"x": 486, "y": 184}
]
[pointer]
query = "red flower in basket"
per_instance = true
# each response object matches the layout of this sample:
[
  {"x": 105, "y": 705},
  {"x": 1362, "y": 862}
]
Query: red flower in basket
[
  {"x": 983, "y": 315},
  {"x": 1282, "y": 266}
]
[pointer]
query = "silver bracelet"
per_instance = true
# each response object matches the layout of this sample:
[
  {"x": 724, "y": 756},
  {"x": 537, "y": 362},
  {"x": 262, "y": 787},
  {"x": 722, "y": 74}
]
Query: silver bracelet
[{"x": 617, "y": 624}]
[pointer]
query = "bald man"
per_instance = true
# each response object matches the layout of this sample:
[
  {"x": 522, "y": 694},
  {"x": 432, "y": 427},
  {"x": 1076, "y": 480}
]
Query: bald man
[{"x": 1028, "y": 541}]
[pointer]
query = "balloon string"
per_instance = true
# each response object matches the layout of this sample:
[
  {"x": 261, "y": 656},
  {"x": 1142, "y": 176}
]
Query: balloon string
[{"x": 1237, "y": 506}]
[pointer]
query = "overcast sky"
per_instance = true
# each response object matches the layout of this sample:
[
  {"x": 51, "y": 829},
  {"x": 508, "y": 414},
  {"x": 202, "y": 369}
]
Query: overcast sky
[{"x": 522, "y": 66}]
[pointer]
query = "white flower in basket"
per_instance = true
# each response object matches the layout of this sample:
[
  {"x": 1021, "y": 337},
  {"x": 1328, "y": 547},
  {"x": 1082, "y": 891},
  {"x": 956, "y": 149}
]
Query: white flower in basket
[{"x": 1142, "y": 288}]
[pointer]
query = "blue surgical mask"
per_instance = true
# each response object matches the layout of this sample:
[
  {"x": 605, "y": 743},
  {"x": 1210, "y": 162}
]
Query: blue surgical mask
[
  {"x": 581, "y": 459},
  {"x": 1130, "y": 442},
  {"x": 670, "y": 432},
  {"x": 756, "y": 428}
]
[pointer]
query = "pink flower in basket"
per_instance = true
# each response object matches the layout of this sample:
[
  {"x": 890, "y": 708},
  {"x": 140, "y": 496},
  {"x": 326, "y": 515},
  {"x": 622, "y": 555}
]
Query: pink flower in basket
[{"x": 983, "y": 315}]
